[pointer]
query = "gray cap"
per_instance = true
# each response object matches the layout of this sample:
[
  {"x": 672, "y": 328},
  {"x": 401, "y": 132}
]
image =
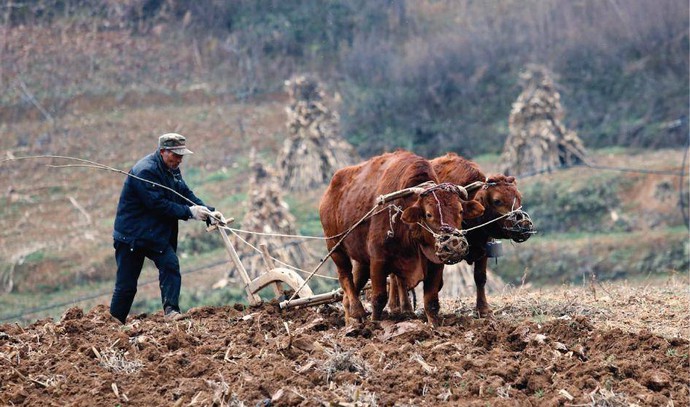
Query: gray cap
[{"x": 174, "y": 142}]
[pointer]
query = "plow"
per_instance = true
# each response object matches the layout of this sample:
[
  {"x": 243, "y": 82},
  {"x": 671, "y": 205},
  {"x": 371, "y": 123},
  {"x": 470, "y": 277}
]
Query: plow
[{"x": 283, "y": 281}]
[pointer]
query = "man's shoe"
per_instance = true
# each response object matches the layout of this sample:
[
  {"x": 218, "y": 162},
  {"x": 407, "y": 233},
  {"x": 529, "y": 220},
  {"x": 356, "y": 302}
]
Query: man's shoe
[{"x": 174, "y": 315}]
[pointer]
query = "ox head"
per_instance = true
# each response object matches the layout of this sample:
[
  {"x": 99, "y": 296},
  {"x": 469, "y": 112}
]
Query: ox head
[
  {"x": 500, "y": 197},
  {"x": 437, "y": 216}
]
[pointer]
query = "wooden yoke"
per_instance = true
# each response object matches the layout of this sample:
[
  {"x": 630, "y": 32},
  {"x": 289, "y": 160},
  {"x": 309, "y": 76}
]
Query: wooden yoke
[{"x": 382, "y": 199}]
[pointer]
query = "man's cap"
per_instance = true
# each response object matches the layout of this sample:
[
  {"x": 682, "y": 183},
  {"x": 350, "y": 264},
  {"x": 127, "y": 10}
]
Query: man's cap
[{"x": 174, "y": 142}]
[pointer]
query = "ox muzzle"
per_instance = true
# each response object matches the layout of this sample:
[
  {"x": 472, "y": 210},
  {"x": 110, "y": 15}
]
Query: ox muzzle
[
  {"x": 518, "y": 226},
  {"x": 451, "y": 246}
]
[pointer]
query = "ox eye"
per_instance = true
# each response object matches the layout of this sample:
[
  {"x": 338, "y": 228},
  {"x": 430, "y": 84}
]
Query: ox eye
[
  {"x": 428, "y": 215},
  {"x": 497, "y": 202}
]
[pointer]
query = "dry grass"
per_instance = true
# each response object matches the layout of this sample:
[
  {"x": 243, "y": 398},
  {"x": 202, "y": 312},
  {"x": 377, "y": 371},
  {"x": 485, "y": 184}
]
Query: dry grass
[
  {"x": 607, "y": 398},
  {"x": 115, "y": 360},
  {"x": 222, "y": 396},
  {"x": 353, "y": 395},
  {"x": 341, "y": 360},
  {"x": 660, "y": 306}
]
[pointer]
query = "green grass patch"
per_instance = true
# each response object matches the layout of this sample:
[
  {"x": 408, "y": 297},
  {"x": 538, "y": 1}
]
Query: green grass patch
[
  {"x": 577, "y": 204},
  {"x": 570, "y": 258},
  {"x": 35, "y": 257},
  {"x": 219, "y": 176}
]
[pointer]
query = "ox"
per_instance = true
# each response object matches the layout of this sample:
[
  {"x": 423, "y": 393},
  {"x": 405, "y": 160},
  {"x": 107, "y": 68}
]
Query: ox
[
  {"x": 499, "y": 196},
  {"x": 408, "y": 248}
]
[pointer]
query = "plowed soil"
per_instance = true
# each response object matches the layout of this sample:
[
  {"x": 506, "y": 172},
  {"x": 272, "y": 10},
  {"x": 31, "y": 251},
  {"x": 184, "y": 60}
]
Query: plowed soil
[{"x": 260, "y": 356}]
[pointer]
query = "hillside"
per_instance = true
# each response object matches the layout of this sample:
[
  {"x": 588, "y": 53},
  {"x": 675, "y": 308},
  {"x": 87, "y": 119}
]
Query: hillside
[
  {"x": 56, "y": 245},
  {"x": 427, "y": 75},
  {"x": 101, "y": 80}
]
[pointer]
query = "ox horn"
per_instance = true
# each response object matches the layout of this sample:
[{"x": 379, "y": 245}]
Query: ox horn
[
  {"x": 462, "y": 191},
  {"x": 474, "y": 186}
]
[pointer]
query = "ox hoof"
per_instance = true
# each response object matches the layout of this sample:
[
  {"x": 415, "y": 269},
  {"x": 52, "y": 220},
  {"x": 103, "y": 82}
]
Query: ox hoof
[
  {"x": 484, "y": 313},
  {"x": 352, "y": 323},
  {"x": 432, "y": 322},
  {"x": 395, "y": 311},
  {"x": 357, "y": 311}
]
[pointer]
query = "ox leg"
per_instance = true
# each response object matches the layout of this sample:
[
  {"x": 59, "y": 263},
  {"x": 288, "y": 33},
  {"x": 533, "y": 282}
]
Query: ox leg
[
  {"x": 379, "y": 294},
  {"x": 432, "y": 284},
  {"x": 394, "y": 306},
  {"x": 483, "y": 308},
  {"x": 361, "y": 275},
  {"x": 398, "y": 295},
  {"x": 402, "y": 294},
  {"x": 351, "y": 303}
]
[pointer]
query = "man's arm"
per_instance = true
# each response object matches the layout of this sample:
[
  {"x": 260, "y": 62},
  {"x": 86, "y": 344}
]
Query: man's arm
[
  {"x": 153, "y": 196},
  {"x": 184, "y": 190}
]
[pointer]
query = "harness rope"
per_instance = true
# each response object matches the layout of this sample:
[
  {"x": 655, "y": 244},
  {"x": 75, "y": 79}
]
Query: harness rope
[
  {"x": 440, "y": 212},
  {"x": 249, "y": 232},
  {"x": 273, "y": 258},
  {"x": 99, "y": 166},
  {"x": 464, "y": 231},
  {"x": 321, "y": 263}
]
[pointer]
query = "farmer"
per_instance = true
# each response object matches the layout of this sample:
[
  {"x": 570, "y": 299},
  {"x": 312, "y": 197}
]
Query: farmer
[{"x": 146, "y": 225}]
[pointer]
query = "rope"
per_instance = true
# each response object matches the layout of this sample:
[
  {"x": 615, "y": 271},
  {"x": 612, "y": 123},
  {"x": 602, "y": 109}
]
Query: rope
[
  {"x": 348, "y": 231},
  {"x": 428, "y": 229},
  {"x": 440, "y": 211},
  {"x": 273, "y": 258},
  {"x": 99, "y": 166},
  {"x": 392, "y": 218},
  {"x": 234, "y": 230},
  {"x": 464, "y": 231}
]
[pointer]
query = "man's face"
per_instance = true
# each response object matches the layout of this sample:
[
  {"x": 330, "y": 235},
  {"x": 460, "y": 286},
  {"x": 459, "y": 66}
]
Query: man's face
[{"x": 171, "y": 159}]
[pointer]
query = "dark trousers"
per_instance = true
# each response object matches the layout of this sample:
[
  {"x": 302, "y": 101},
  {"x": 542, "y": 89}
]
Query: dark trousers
[{"x": 130, "y": 260}]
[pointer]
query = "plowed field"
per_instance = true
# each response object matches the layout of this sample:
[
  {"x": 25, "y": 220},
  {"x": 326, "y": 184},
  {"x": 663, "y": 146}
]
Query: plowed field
[{"x": 565, "y": 353}]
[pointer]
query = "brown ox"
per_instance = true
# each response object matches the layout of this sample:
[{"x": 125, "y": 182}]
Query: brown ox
[
  {"x": 383, "y": 245},
  {"x": 499, "y": 196}
]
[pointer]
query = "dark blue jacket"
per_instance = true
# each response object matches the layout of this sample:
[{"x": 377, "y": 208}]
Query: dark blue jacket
[{"x": 147, "y": 214}]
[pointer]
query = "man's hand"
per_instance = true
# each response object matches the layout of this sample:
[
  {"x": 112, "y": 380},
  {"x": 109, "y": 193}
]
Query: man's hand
[
  {"x": 218, "y": 216},
  {"x": 200, "y": 212}
]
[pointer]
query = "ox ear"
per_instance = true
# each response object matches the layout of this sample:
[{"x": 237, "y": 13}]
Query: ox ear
[
  {"x": 472, "y": 209},
  {"x": 413, "y": 214}
]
